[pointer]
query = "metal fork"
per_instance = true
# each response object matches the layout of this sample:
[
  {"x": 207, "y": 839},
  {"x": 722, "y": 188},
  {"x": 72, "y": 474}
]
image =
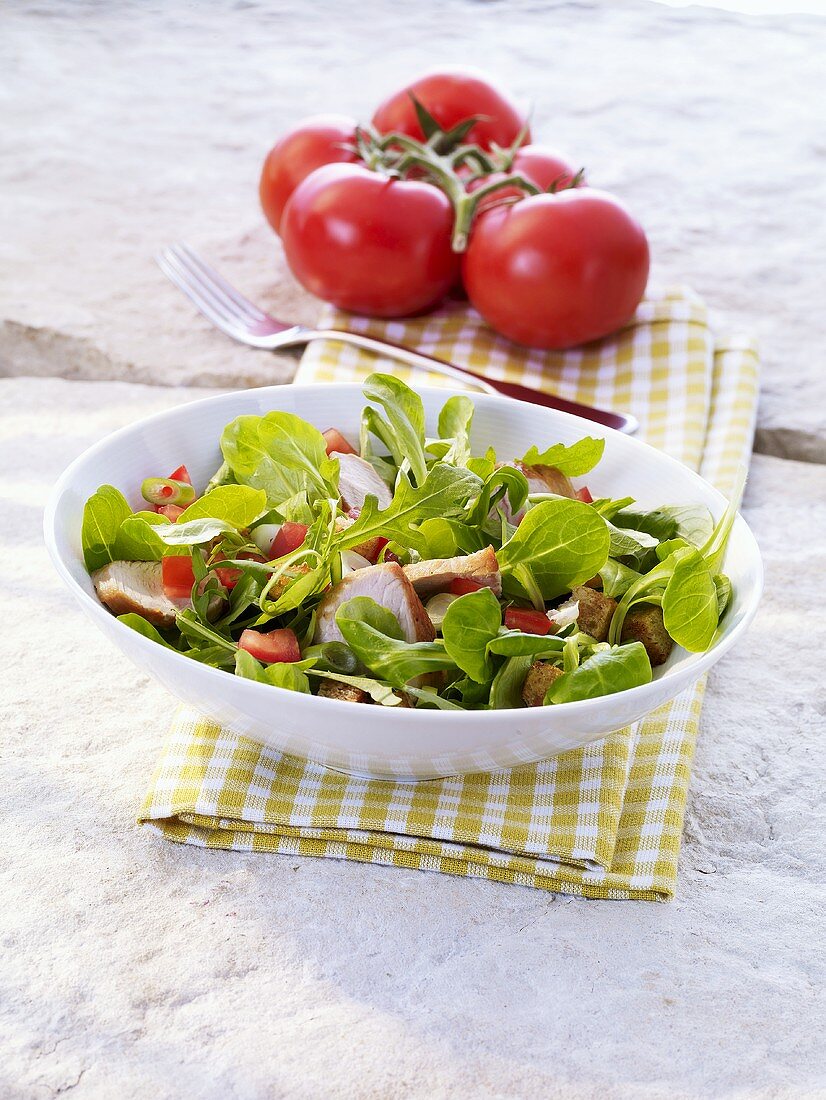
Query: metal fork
[{"x": 241, "y": 319}]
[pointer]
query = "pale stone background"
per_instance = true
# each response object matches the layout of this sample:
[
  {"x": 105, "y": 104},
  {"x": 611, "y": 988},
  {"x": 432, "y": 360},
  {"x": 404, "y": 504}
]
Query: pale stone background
[{"x": 131, "y": 968}]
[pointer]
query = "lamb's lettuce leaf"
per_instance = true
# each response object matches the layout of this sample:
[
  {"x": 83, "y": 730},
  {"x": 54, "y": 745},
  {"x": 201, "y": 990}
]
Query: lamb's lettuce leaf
[
  {"x": 605, "y": 672},
  {"x": 401, "y": 428},
  {"x": 574, "y": 460},
  {"x": 237, "y": 505},
  {"x": 453, "y": 444},
  {"x": 283, "y": 674},
  {"x": 563, "y": 542},
  {"x": 280, "y": 454},
  {"x": 470, "y": 623},
  {"x": 506, "y": 689},
  {"x": 374, "y": 635},
  {"x": 690, "y": 608},
  {"x": 692, "y": 522},
  {"x": 103, "y": 513},
  {"x": 136, "y": 539}
]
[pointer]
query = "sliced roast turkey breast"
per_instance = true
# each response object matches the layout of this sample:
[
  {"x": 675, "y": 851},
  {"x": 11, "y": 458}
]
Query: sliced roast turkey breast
[
  {"x": 547, "y": 479},
  {"x": 438, "y": 574},
  {"x": 137, "y": 586},
  {"x": 357, "y": 480},
  {"x": 541, "y": 479},
  {"x": 388, "y": 586}
]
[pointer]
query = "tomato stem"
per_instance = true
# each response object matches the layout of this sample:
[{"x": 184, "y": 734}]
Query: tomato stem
[{"x": 467, "y": 205}]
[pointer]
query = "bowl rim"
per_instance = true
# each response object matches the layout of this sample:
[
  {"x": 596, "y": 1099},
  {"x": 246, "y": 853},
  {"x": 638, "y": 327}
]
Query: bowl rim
[{"x": 449, "y": 718}]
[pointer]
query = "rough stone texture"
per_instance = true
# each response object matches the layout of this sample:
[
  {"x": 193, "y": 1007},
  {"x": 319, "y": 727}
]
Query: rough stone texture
[
  {"x": 137, "y": 969},
  {"x": 130, "y": 126}
]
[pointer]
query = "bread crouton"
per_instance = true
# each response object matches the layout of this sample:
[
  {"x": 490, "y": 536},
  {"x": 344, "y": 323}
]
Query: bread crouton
[
  {"x": 348, "y": 693},
  {"x": 644, "y": 623},
  {"x": 596, "y": 611},
  {"x": 540, "y": 676}
]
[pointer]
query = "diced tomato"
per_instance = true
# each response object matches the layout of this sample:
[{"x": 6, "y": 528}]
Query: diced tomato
[
  {"x": 376, "y": 546},
  {"x": 336, "y": 443},
  {"x": 229, "y": 577},
  {"x": 584, "y": 494},
  {"x": 461, "y": 586},
  {"x": 181, "y": 474},
  {"x": 276, "y": 646},
  {"x": 289, "y": 538},
  {"x": 390, "y": 556},
  {"x": 527, "y": 620},
  {"x": 178, "y": 577},
  {"x": 171, "y": 511}
]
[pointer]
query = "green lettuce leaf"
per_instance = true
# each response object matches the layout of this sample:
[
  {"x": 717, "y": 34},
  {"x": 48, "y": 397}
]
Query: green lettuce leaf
[
  {"x": 374, "y": 635},
  {"x": 605, "y": 673},
  {"x": 103, "y": 513},
  {"x": 470, "y": 623},
  {"x": 281, "y": 454},
  {"x": 563, "y": 542},
  {"x": 444, "y": 493},
  {"x": 575, "y": 460},
  {"x": 401, "y": 429}
]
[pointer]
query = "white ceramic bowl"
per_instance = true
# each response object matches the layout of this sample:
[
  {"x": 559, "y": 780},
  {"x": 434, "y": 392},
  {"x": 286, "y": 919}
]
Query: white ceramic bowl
[{"x": 373, "y": 740}]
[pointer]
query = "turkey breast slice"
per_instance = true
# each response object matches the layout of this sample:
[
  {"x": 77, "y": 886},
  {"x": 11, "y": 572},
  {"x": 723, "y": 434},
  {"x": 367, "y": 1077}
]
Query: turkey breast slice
[
  {"x": 137, "y": 586},
  {"x": 438, "y": 574},
  {"x": 357, "y": 479},
  {"x": 388, "y": 586}
]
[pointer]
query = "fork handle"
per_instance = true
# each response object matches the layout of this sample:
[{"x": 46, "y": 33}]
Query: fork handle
[{"x": 622, "y": 422}]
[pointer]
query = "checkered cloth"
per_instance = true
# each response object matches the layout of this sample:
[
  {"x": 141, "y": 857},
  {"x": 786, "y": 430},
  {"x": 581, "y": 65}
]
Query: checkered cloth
[{"x": 604, "y": 821}]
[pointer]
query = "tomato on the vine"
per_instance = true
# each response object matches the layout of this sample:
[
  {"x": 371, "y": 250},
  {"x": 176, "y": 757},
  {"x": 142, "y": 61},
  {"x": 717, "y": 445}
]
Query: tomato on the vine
[
  {"x": 368, "y": 243},
  {"x": 322, "y": 139},
  {"x": 451, "y": 96},
  {"x": 540, "y": 166},
  {"x": 553, "y": 271}
]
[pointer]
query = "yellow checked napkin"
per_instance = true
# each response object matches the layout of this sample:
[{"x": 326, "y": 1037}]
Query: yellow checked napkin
[{"x": 604, "y": 821}]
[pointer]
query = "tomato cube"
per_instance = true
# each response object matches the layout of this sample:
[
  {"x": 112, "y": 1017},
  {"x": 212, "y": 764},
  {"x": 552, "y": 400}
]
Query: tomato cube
[
  {"x": 584, "y": 494},
  {"x": 272, "y": 648},
  {"x": 230, "y": 576},
  {"x": 178, "y": 577},
  {"x": 181, "y": 474},
  {"x": 289, "y": 538},
  {"x": 527, "y": 620},
  {"x": 461, "y": 586},
  {"x": 336, "y": 443}
]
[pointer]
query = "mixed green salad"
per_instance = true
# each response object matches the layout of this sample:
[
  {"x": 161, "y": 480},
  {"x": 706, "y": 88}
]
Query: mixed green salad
[{"x": 407, "y": 570}]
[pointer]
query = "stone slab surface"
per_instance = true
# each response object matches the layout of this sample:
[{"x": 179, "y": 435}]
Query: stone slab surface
[
  {"x": 137, "y": 969},
  {"x": 129, "y": 126}
]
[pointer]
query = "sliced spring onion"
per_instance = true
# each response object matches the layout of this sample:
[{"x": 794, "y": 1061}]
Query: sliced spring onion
[
  {"x": 163, "y": 490},
  {"x": 436, "y": 607}
]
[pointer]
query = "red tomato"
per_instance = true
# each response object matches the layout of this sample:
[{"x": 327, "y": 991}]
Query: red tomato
[
  {"x": 370, "y": 244},
  {"x": 540, "y": 166},
  {"x": 289, "y": 538},
  {"x": 451, "y": 96},
  {"x": 376, "y": 546},
  {"x": 553, "y": 271},
  {"x": 319, "y": 140},
  {"x": 276, "y": 646},
  {"x": 584, "y": 494},
  {"x": 171, "y": 511},
  {"x": 336, "y": 443},
  {"x": 181, "y": 474},
  {"x": 527, "y": 620},
  {"x": 462, "y": 585},
  {"x": 229, "y": 577},
  {"x": 178, "y": 577}
]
